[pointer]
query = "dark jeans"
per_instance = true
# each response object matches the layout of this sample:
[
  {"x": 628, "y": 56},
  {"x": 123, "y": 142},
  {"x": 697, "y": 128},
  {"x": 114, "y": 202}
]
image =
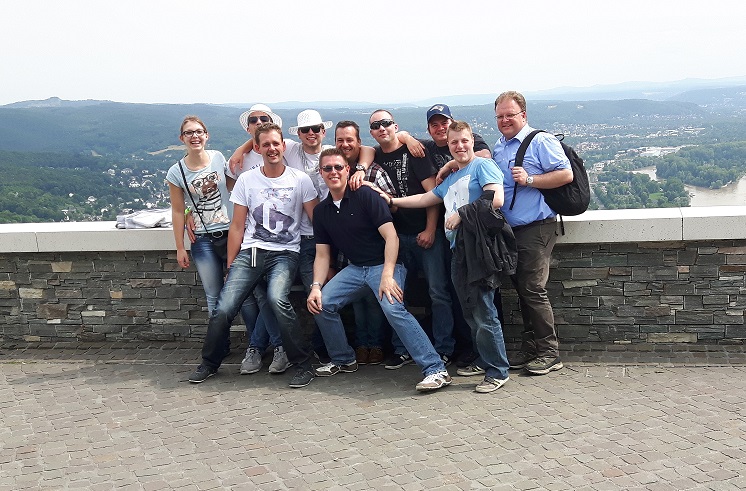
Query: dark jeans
[
  {"x": 535, "y": 244},
  {"x": 279, "y": 267}
]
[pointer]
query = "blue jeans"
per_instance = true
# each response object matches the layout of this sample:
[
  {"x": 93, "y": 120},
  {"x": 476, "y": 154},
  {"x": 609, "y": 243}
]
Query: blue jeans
[
  {"x": 352, "y": 283},
  {"x": 486, "y": 331},
  {"x": 305, "y": 269},
  {"x": 279, "y": 267},
  {"x": 211, "y": 270},
  {"x": 266, "y": 331},
  {"x": 368, "y": 321},
  {"x": 432, "y": 262}
]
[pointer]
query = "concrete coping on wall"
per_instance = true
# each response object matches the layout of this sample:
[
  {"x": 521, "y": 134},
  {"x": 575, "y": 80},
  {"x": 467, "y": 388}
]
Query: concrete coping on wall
[{"x": 597, "y": 226}]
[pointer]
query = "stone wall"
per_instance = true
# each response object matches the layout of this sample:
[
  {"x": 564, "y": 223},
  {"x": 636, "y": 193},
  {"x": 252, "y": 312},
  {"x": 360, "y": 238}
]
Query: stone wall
[
  {"x": 674, "y": 275},
  {"x": 676, "y": 291}
]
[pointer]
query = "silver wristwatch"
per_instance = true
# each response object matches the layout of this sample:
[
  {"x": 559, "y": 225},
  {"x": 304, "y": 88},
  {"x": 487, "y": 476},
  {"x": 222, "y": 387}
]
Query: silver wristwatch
[{"x": 529, "y": 180}]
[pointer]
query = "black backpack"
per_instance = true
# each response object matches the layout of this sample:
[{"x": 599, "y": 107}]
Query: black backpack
[{"x": 570, "y": 199}]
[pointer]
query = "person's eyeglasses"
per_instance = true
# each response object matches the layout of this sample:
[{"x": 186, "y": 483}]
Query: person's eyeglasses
[
  {"x": 191, "y": 133},
  {"x": 382, "y": 122},
  {"x": 316, "y": 129},
  {"x": 256, "y": 119},
  {"x": 337, "y": 167},
  {"x": 507, "y": 117}
]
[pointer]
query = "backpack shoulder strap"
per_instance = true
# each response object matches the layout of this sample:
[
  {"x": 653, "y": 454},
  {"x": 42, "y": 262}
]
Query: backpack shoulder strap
[{"x": 520, "y": 154}]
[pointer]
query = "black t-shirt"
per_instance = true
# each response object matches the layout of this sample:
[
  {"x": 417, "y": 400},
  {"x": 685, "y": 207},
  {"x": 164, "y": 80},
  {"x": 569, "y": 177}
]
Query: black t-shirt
[
  {"x": 442, "y": 155},
  {"x": 407, "y": 173},
  {"x": 353, "y": 227}
]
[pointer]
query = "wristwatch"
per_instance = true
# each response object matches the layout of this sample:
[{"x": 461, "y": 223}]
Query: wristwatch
[
  {"x": 359, "y": 167},
  {"x": 315, "y": 283},
  {"x": 529, "y": 180}
]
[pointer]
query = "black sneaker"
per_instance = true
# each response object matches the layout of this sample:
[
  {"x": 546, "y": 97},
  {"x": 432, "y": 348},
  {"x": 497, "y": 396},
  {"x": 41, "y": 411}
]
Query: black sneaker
[
  {"x": 520, "y": 359},
  {"x": 446, "y": 360},
  {"x": 201, "y": 374},
  {"x": 301, "y": 378},
  {"x": 544, "y": 365},
  {"x": 466, "y": 359},
  {"x": 397, "y": 361}
]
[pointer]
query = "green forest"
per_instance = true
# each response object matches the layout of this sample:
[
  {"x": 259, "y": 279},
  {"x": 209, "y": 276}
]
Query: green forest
[{"x": 50, "y": 187}]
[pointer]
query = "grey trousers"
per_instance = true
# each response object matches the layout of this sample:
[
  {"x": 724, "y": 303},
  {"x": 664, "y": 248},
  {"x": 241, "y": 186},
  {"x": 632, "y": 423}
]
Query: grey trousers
[{"x": 535, "y": 243}]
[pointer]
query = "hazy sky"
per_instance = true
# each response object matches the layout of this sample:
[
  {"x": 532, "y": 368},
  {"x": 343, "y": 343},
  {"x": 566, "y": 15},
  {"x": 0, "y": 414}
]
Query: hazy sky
[{"x": 233, "y": 51}]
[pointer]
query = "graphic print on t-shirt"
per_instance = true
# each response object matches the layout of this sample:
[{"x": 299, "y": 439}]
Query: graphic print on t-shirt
[
  {"x": 209, "y": 205},
  {"x": 400, "y": 170},
  {"x": 456, "y": 197},
  {"x": 272, "y": 225}
]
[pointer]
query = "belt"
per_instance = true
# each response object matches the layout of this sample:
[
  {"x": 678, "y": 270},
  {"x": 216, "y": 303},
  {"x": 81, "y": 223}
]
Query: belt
[
  {"x": 533, "y": 224},
  {"x": 307, "y": 237},
  {"x": 214, "y": 235}
]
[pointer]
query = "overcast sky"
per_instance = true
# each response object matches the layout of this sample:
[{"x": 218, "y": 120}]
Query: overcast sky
[{"x": 234, "y": 51}]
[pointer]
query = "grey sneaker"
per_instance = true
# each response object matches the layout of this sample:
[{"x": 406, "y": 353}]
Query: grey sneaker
[
  {"x": 520, "y": 359},
  {"x": 543, "y": 365},
  {"x": 252, "y": 362},
  {"x": 490, "y": 384},
  {"x": 330, "y": 369},
  {"x": 280, "y": 361},
  {"x": 434, "y": 381},
  {"x": 470, "y": 370}
]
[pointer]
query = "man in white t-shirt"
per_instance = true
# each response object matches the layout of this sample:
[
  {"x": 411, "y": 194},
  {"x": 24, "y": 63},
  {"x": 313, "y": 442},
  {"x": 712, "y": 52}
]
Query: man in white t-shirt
[{"x": 263, "y": 242}]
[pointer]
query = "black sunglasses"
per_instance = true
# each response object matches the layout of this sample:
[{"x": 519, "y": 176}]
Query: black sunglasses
[
  {"x": 382, "y": 122},
  {"x": 336, "y": 167},
  {"x": 256, "y": 119},
  {"x": 316, "y": 129}
]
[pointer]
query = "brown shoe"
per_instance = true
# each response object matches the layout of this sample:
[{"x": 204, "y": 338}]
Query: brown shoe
[
  {"x": 361, "y": 355},
  {"x": 376, "y": 356}
]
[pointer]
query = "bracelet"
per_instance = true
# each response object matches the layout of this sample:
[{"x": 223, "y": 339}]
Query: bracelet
[
  {"x": 187, "y": 210},
  {"x": 314, "y": 284}
]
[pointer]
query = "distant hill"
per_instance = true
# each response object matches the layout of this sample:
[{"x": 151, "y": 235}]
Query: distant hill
[{"x": 136, "y": 131}]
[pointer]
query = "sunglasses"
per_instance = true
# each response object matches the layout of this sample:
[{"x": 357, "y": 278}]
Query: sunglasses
[
  {"x": 256, "y": 119},
  {"x": 337, "y": 167},
  {"x": 383, "y": 122},
  {"x": 316, "y": 129}
]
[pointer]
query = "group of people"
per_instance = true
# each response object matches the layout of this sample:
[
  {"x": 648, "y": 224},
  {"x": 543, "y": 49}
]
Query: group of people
[{"x": 358, "y": 223}]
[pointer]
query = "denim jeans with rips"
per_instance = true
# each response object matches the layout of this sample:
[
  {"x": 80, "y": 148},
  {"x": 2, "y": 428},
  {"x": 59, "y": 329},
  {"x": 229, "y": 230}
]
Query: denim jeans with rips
[{"x": 246, "y": 271}]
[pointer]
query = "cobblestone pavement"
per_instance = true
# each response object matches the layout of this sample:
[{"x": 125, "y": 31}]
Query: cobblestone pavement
[{"x": 102, "y": 418}]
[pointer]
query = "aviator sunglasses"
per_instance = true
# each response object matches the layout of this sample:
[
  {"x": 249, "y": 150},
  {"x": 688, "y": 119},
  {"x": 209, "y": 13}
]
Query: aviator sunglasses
[{"x": 336, "y": 167}]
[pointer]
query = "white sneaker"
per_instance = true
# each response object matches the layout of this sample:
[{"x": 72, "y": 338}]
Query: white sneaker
[
  {"x": 280, "y": 361},
  {"x": 434, "y": 381},
  {"x": 490, "y": 384}
]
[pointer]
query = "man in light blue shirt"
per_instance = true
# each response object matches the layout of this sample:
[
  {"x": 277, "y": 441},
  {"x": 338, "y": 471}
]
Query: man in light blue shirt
[{"x": 545, "y": 166}]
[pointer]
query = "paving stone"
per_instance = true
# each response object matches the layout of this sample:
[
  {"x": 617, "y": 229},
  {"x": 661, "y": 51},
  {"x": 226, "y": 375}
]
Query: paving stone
[{"x": 652, "y": 418}]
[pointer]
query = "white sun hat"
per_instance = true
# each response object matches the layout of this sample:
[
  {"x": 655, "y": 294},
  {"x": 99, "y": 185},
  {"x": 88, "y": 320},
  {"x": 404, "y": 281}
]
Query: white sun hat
[
  {"x": 244, "y": 118},
  {"x": 306, "y": 118}
]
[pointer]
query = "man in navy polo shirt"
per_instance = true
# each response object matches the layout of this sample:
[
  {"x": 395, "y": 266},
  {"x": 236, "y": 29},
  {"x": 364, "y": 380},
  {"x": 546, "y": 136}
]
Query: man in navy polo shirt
[{"x": 359, "y": 224}]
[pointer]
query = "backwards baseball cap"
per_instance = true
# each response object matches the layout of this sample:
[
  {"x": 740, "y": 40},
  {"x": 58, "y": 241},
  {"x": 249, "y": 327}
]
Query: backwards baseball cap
[
  {"x": 439, "y": 110},
  {"x": 244, "y": 118}
]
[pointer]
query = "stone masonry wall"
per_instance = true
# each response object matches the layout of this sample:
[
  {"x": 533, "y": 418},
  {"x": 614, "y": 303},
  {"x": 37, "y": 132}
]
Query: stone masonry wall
[{"x": 624, "y": 293}]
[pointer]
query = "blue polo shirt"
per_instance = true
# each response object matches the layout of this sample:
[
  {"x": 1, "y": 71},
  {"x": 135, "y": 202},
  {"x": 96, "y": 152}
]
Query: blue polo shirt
[
  {"x": 353, "y": 227},
  {"x": 544, "y": 154}
]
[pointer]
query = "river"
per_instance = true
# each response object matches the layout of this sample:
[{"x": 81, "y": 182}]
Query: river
[{"x": 732, "y": 194}]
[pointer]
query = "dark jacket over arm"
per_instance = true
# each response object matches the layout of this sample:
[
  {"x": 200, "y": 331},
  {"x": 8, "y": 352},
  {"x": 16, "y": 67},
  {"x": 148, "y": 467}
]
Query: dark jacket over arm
[{"x": 485, "y": 246}]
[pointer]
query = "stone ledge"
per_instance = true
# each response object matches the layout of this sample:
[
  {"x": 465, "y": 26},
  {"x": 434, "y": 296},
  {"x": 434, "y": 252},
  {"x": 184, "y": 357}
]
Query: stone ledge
[{"x": 592, "y": 227}]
